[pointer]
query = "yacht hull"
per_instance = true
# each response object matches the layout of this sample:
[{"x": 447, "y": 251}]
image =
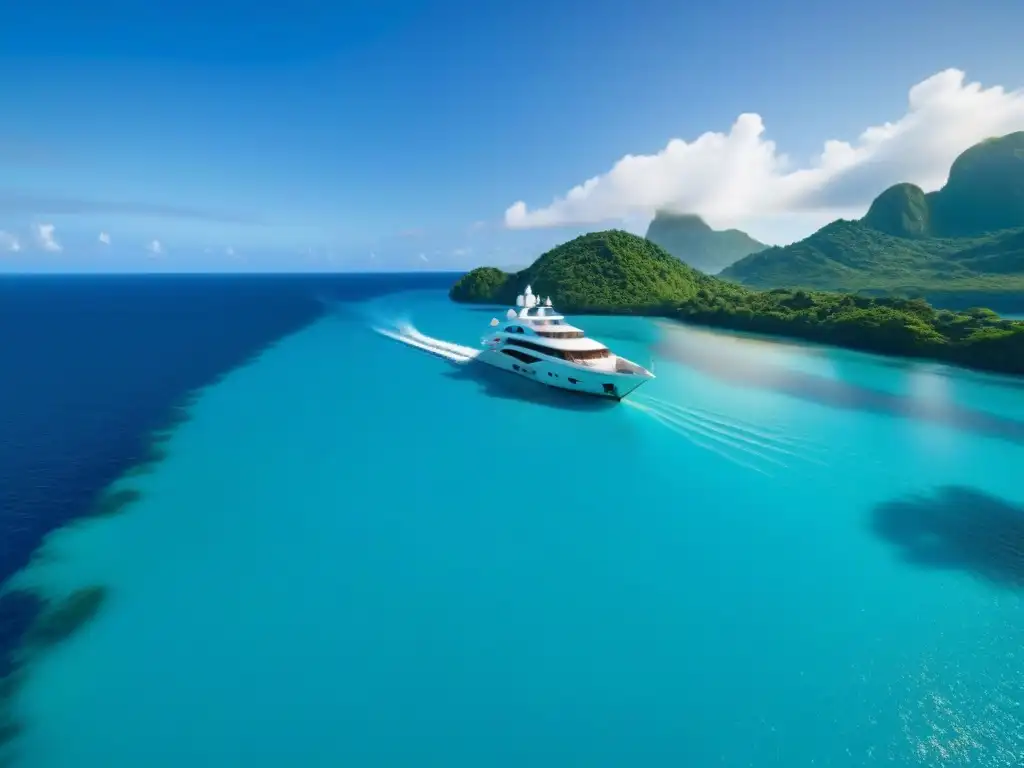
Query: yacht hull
[{"x": 572, "y": 378}]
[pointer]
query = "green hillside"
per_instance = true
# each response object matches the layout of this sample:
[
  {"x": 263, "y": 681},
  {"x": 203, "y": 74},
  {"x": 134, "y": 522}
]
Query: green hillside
[
  {"x": 692, "y": 241},
  {"x": 985, "y": 191},
  {"x": 967, "y": 238},
  {"x": 600, "y": 271},
  {"x": 616, "y": 272}
]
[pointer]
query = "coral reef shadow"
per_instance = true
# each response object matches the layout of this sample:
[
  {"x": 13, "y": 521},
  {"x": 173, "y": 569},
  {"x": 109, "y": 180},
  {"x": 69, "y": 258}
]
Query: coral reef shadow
[{"x": 957, "y": 528}]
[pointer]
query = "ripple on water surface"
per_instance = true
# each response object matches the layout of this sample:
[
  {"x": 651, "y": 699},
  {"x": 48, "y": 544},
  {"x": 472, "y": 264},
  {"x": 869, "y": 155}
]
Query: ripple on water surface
[{"x": 353, "y": 553}]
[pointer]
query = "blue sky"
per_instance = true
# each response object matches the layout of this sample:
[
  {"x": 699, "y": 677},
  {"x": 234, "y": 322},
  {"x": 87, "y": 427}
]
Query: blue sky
[{"x": 312, "y": 135}]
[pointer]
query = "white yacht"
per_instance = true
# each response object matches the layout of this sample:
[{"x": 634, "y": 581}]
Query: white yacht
[{"x": 536, "y": 342}]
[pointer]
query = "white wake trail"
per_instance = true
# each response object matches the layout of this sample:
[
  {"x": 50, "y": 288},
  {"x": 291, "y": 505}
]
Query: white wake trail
[
  {"x": 764, "y": 441},
  {"x": 409, "y": 331},
  {"x": 694, "y": 437},
  {"x": 407, "y": 334}
]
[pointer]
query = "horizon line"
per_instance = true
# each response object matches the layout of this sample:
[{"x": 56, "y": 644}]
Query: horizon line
[{"x": 230, "y": 273}]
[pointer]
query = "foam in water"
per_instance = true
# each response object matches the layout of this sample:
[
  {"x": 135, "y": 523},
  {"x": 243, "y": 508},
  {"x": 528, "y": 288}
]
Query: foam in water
[
  {"x": 747, "y": 446},
  {"x": 406, "y": 333}
]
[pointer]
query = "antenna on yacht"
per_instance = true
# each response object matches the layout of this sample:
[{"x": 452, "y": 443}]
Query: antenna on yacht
[
  {"x": 520, "y": 301},
  {"x": 547, "y": 302},
  {"x": 511, "y": 314}
]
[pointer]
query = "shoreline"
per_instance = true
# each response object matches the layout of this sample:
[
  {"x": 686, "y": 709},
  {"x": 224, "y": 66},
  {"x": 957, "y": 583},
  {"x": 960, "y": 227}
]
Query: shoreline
[{"x": 1015, "y": 371}]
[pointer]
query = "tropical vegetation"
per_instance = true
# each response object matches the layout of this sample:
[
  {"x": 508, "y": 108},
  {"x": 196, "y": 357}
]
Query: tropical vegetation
[
  {"x": 956, "y": 246},
  {"x": 617, "y": 272}
]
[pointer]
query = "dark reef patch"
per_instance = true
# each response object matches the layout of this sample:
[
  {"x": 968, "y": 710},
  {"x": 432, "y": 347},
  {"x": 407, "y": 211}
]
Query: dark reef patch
[
  {"x": 957, "y": 528},
  {"x": 10, "y": 726},
  {"x": 54, "y": 622},
  {"x": 98, "y": 373},
  {"x": 59, "y": 620},
  {"x": 114, "y": 502}
]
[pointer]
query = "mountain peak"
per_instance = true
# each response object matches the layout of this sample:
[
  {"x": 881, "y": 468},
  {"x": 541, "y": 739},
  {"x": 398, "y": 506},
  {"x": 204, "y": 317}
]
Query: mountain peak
[
  {"x": 981, "y": 157},
  {"x": 984, "y": 193},
  {"x": 691, "y": 240},
  {"x": 681, "y": 220},
  {"x": 965, "y": 238},
  {"x": 902, "y": 211}
]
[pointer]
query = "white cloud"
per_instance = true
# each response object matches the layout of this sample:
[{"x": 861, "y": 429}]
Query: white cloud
[
  {"x": 229, "y": 251},
  {"x": 104, "y": 238},
  {"x": 9, "y": 242},
  {"x": 155, "y": 247},
  {"x": 423, "y": 257},
  {"x": 461, "y": 252},
  {"x": 373, "y": 255},
  {"x": 45, "y": 237},
  {"x": 740, "y": 178}
]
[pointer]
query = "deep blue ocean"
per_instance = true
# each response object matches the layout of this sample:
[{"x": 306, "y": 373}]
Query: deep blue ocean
[
  {"x": 348, "y": 552},
  {"x": 91, "y": 365}
]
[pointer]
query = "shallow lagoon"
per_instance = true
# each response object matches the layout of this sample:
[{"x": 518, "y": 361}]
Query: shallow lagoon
[{"x": 355, "y": 553}]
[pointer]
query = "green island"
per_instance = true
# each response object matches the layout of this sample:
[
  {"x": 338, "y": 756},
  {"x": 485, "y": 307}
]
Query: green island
[
  {"x": 959, "y": 246},
  {"x": 615, "y": 272}
]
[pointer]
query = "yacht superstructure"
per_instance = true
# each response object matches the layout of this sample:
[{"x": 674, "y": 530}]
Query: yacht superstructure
[{"x": 536, "y": 342}]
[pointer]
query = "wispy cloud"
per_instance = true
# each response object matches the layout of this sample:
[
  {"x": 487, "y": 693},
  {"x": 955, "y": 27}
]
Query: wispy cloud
[
  {"x": 462, "y": 251},
  {"x": 155, "y": 247},
  {"x": 45, "y": 237},
  {"x": 229, "y": 251},
  {"x": 9, "y": 242},
  {"x": 14, "y": 201},
  {"x": 411, "y": 233},
  {"x": 423, "y": 257},
  {"x": 104, "y": 238}
]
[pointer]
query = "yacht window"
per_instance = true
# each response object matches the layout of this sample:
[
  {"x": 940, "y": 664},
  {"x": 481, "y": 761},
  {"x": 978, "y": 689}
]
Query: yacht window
[
  {"x": 561, "y": 334},
  {"x": 572, "y": 356},
  {"x": 535, "y": 347},
  {"x": 589, "y": 354},
  {"x": 521, "y": 356},
  {"x": 514, "y": 329}
]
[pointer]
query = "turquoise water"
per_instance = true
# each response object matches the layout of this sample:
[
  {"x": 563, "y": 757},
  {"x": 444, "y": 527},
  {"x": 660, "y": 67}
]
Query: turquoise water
[{"x": 358, "y": 554}]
